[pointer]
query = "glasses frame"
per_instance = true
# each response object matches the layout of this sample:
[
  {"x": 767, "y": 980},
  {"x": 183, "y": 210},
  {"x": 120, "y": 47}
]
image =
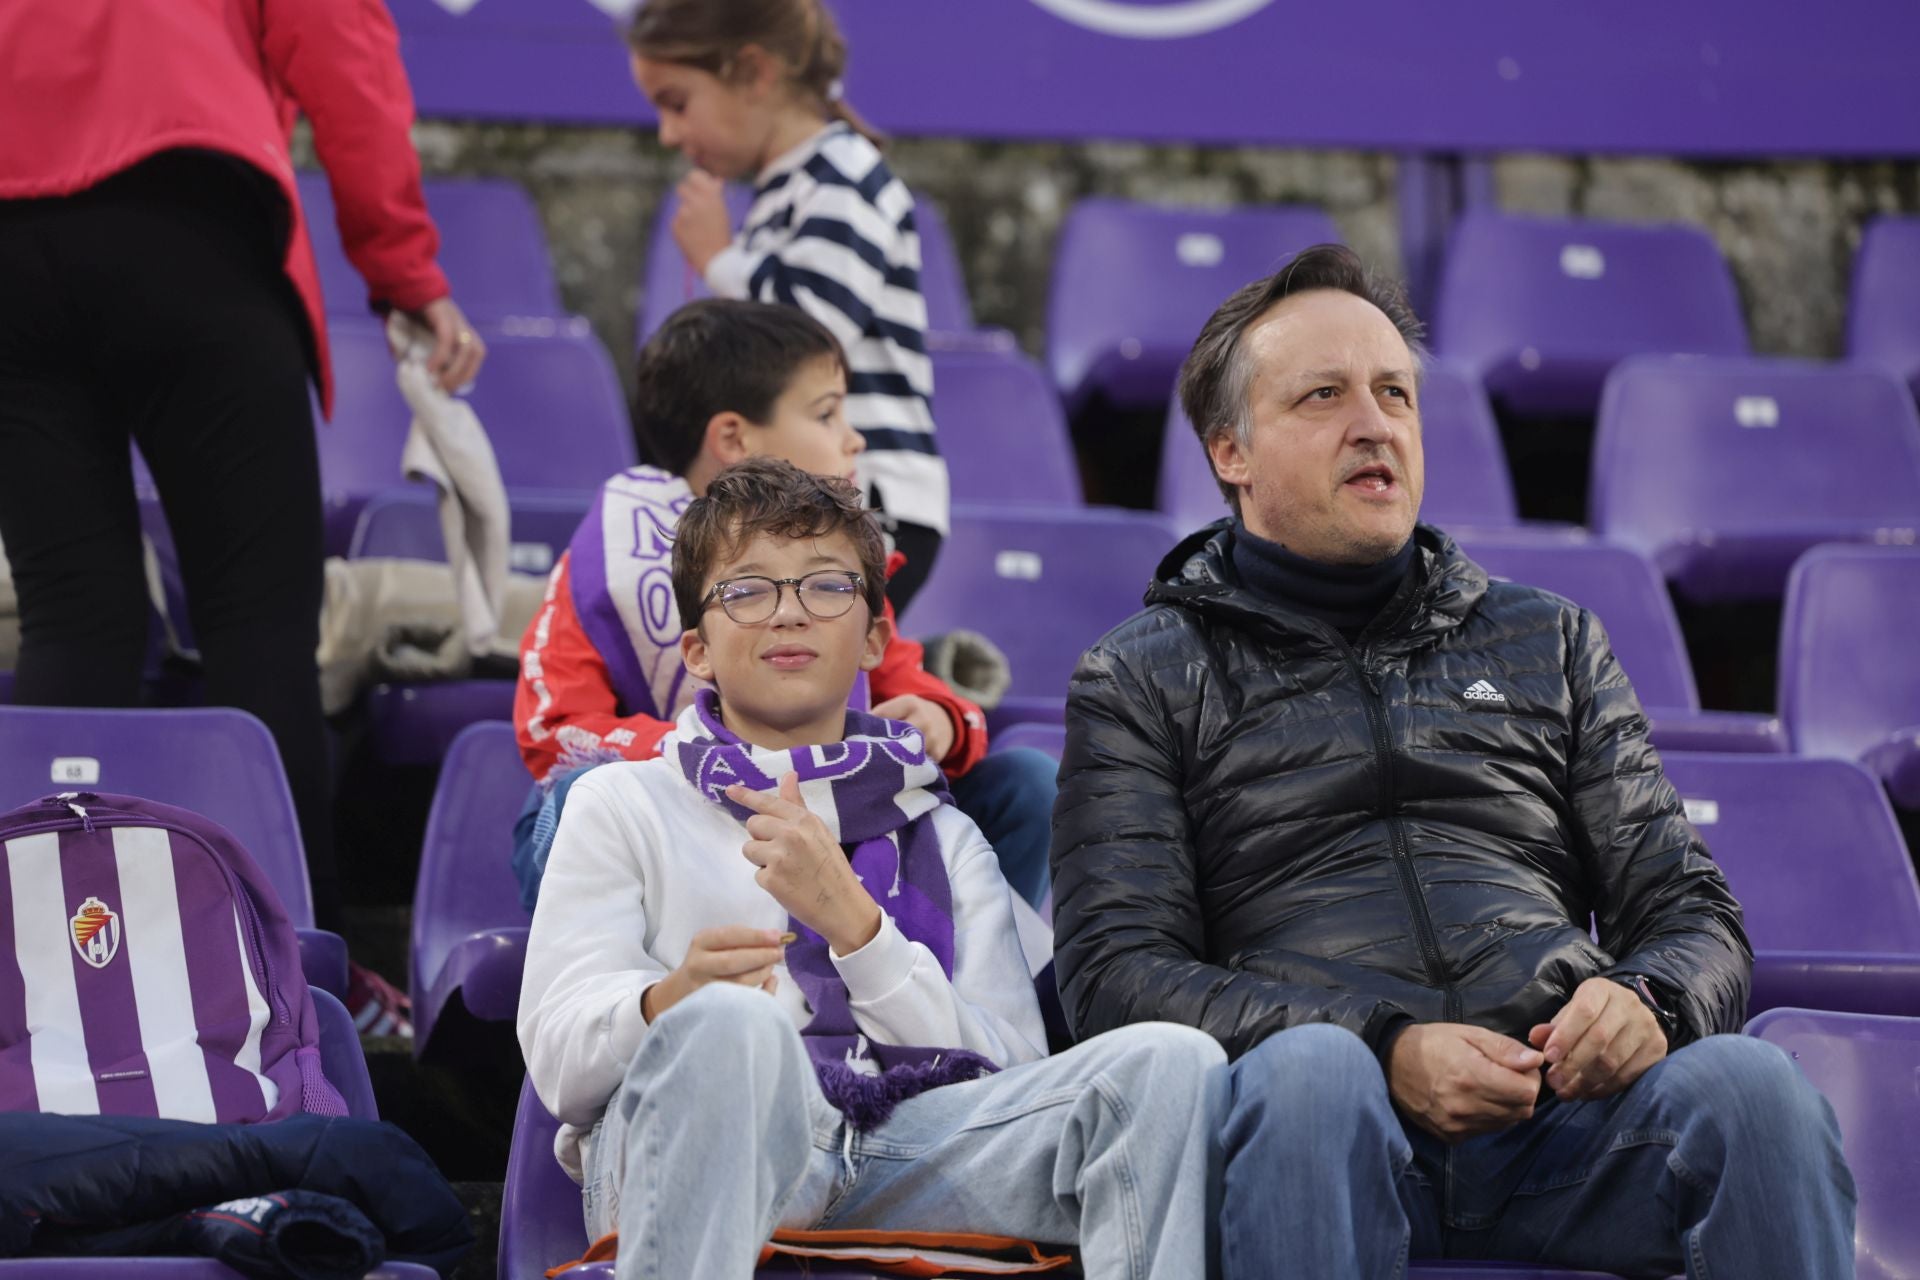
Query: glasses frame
[{"x": 859, "y": 581}]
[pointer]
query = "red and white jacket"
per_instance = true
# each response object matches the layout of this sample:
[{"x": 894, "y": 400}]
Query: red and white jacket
[{"x": 600, "y": 671}]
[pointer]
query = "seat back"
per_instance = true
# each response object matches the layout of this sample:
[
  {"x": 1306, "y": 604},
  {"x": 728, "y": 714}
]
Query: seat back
[
  {"x": 1865, "y": 1067},
  {"x": 492, "y": 248},
  {"x": 1883, "y": 317},
  {"x": 1813, "y": 853},
  {"x": 1724, "y": 471},
  {"x": 1042, "y": 585},
  {"x": 1001, "y": 430},
  {"x": 341, "y": 1058},
  {"x": 541, "y": 1221},
  {"x": 214, "y": 761},
  {"x": 405, "y": 524},
  {"x": 670, "y": 283},
  {"x": 1848, "y": 674},
  {"x": 1622, "y": 589},
  {"x": 1133, "y": 284},
  {"x": 1467, "y": 483},
  {"x": 1541, "y": 308}
]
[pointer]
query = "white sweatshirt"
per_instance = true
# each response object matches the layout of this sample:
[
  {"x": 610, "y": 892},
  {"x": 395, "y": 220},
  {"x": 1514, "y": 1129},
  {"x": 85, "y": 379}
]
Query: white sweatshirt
[{"x": 642, "y": 862}]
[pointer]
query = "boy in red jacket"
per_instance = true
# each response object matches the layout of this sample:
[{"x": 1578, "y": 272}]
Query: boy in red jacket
[{"x": 600, "y": 671}]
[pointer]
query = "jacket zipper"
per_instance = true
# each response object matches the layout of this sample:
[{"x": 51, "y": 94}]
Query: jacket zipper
[
  {"x": 249, "y": 910},
  {"x": 1429, "y": 943}
]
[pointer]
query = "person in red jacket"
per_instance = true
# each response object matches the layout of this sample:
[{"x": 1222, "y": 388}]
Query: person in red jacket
[
  {"x": 601, "y": 675},
  {"x": 157, "y": 285}
]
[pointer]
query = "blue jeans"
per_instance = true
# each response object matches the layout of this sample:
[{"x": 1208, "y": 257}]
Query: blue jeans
[
  {"x": 720, "y": 1134},
  {"x": 1721, "y": 1161},
  {"x": 1009, "y": 796}
]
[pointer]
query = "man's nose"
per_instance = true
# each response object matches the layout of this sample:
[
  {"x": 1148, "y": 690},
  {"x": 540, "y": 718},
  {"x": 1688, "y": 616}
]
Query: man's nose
[{"x": 1371, "y": 423}]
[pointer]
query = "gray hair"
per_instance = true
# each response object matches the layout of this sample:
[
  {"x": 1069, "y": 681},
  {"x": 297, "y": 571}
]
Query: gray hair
[{"x": 1216, "y": 382}]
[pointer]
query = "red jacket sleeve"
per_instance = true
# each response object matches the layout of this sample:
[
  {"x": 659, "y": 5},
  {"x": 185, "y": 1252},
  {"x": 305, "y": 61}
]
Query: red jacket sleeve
[
  {"x": 564, "y": 707},
  {"x": 901, "y": 671},
  {"x": 340, "y": 61}
]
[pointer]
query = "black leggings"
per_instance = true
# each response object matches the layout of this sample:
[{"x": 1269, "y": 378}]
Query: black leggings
[{"x": 153, "y": 307}]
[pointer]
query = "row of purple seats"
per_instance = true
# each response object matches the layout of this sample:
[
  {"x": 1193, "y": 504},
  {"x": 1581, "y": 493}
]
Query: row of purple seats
[
  {"x": 669, "y": 283},
  {"x": 1883, "y": 318},
  {"x": 215, "y": 761},
  {"x": 1863, "y": 1064}
]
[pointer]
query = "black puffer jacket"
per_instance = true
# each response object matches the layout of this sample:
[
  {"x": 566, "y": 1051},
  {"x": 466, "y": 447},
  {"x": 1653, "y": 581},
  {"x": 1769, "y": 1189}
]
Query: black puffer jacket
[{"x": 1260, "y": 825}]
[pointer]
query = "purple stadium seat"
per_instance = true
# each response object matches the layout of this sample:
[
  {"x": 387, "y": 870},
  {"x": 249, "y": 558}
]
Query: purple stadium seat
[
  {"x": 1467, "y": 482},
  {"x": 1815, "y": 857},
  {"x": 492, "y": 248},
  {"x": 1865, "y": 1067},
  {"x": 1541, "y": 308},
  {"x": 1001, "y": 429},
  {"x": 346, "y": 1069},
  {"x": 1133, "y": 284},
  {"x": 1883, "y": 319},
  {"x": 1724, "y": 471},
  {"x": 469, "y": 932},
  {"x": 1849, "y": 680},
  {"x": 548, "y": 397},
  {"x": 1043, "y": 585},
  {"x": 1626, "y": 594},
  {"x": 415, "y": 724},
  {"x": 541, "y": 1223},
  {"x": 215, "y": 761},
  {"x": 670, "y": 284}
]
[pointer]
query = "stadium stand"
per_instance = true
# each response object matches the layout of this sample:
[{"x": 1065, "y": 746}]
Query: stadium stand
[
  {"x": 1849, "y": 680},
  {"x": 1883, "y": 317},
  {"x": 1133, "y": 283},
  {"x": 1541, "y": 308},
  {"x": 1724, "y": 471},
  {"x": 1001, "y": 429}
]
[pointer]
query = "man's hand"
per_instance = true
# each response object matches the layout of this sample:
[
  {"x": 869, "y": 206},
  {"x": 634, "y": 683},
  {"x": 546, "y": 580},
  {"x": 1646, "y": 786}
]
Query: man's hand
[
  {"x": 804, "y": 869},
  {"x": 730, "y": 953},
  {"x": 1456, "y": 1081},
  {"x": 700, "y": 225},
  {"x": 1603, "y": 1040},
  {"x": 929, "y": 717},
  {"x": 457, "y": 350}
]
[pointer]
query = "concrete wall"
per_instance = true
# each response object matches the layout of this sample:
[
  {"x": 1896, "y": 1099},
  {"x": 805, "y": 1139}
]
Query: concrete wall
[{"x": 1789, "y": 229}]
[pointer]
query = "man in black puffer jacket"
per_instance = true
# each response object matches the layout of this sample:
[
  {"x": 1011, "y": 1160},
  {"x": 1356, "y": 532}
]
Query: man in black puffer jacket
[{"x": 1339, "y": 800}]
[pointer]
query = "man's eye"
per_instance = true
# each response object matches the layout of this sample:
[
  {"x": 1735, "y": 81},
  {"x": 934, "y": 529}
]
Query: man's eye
[{"x": 1322, "y": 393}]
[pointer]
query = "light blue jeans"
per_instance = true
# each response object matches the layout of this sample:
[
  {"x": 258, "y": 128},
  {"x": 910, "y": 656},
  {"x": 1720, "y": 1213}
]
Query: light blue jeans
[
  {"x": 1721, "y": 1161},
  {"x": 720, "y": 1134}
]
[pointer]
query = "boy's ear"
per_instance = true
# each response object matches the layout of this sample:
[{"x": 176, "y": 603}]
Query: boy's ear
[
  {"x": 726, "y": 438},
  {"x": 879, "y": 635},
  {"x": 693, "y": 652}
]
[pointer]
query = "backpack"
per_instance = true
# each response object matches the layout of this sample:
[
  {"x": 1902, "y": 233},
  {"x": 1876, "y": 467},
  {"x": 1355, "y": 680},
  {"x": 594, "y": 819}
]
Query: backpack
[{"x": 147, "y": 968}]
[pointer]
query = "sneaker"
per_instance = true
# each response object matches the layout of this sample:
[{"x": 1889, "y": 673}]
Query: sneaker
[{"x": 378, "y": 1007}]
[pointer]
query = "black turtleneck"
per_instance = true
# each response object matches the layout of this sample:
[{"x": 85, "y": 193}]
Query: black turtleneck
[{"x": 1345, "y": 597}]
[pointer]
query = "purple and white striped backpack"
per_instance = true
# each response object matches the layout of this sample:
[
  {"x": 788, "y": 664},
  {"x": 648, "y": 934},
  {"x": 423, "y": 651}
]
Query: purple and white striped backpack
[{"x": 147, "y": 968}]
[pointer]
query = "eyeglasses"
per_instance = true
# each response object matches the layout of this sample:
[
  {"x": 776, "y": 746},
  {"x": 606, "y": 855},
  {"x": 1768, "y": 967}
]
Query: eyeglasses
[{"x": 825, "y": 594}]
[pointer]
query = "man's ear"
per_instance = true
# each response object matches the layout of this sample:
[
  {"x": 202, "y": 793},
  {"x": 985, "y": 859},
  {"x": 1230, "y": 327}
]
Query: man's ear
[
  {"x": 1229, "y": 460},
  {"x": 879, "y": 636},
  {"x": 725, "y": 438},
  {"x": 693, "y": 652}
]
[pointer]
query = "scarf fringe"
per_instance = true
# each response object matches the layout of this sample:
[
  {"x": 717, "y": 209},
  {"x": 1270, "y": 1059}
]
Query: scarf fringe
[{"x": 868, "y": 1100}]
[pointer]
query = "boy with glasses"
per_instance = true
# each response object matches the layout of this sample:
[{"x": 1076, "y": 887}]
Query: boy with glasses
[
  {"x": 773, "y": 979},
  {"x": 601, "y": 677}
]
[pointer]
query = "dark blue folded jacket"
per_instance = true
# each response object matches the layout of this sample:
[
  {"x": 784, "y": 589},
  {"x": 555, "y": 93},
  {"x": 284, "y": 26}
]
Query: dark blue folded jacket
[{"x": 119, "y": 1184}]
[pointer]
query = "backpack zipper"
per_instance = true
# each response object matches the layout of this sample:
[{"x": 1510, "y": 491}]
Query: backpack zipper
[{"x": 250, "y": 911}]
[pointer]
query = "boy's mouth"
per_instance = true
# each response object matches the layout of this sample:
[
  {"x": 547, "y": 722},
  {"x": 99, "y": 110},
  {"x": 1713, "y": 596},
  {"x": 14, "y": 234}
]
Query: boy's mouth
[{"x": 789, "y": 657}]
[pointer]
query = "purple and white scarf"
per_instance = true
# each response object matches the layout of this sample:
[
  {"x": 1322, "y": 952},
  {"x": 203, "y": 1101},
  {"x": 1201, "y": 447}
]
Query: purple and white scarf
[{"x": 875, "y": 791}]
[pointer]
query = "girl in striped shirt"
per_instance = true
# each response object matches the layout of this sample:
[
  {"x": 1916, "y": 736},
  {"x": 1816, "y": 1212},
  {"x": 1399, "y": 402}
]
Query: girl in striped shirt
[{"x": 751, "y": 89}]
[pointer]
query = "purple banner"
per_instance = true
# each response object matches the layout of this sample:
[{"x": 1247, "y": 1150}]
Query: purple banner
[{"x": 1703, "y": 77}]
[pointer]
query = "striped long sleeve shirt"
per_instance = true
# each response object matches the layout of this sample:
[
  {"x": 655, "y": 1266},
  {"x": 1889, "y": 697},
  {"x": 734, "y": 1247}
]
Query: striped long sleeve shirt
[{"x": 832, "y": 231}]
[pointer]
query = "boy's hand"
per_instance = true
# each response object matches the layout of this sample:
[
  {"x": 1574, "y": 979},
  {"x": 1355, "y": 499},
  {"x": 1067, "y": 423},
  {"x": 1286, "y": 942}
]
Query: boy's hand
[
  {"x": 1456, "y": 1081},
  {"x": 1600, "y": 1042},
  {"x": 730, "y": 953},
  {"x": 804, "y": 869},
  {"x": 700, "y": 225},
  {"x": 929, "y": 717}
]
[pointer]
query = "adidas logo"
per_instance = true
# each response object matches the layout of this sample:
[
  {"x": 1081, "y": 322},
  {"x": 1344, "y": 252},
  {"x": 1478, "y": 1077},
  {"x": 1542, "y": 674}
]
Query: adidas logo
[{"x": 1481, "y": 691}]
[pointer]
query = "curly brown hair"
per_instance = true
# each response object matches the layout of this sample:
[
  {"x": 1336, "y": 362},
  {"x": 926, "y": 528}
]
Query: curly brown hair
[{"x": 773, "y": 497}]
